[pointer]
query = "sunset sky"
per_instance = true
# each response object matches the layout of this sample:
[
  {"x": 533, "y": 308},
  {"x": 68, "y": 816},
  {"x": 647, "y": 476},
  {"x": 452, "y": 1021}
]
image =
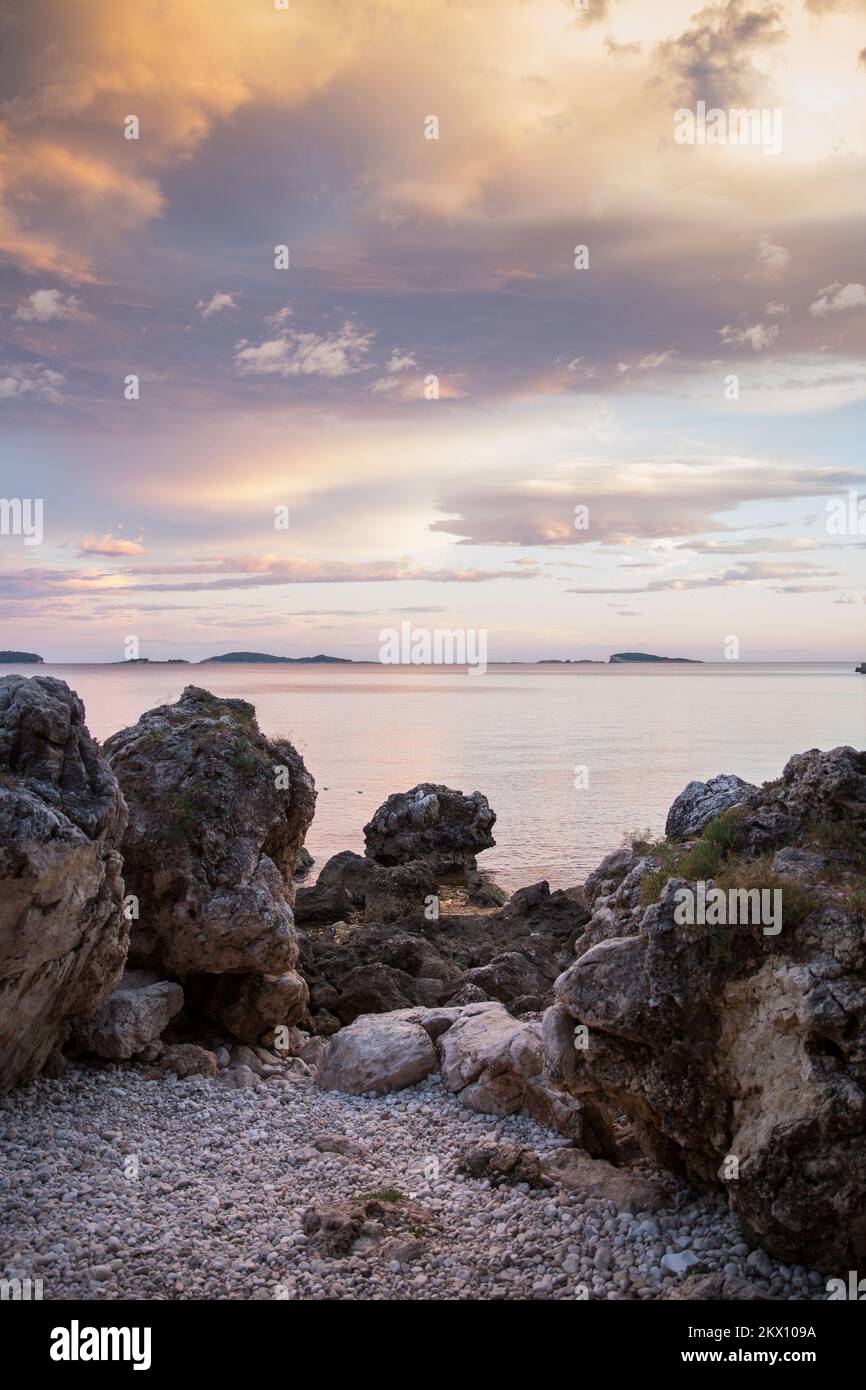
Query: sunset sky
[{"x": 412, "y": 258}]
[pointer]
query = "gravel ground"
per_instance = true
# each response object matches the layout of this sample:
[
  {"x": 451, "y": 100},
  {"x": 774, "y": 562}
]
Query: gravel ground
[{"x": 114, "y": 1187}]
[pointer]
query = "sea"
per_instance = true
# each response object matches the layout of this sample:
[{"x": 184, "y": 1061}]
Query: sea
[{"x": 573, "y": 759}]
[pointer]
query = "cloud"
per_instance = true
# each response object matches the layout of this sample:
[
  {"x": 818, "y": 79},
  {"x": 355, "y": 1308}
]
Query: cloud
[
  {"x": 330, "y": 355},
  {"x": 45, "y": 306},
  {"x": 712, "y": 60},
  {"x": 773, "y": 257},
  {"x": 400, "y": 361},
  {"x": 110, "y": 545},
  {"x": 215, "y": 305},
  {"x": 750, "y": 545},
  {"x": 280, "y": 318},
  {"x": 758, "y": 337},
  {"x": 183, "y": 66},
  {"x": 659, "y": 499},
  {"x": 837, "y": 297},
  {"x": 225, "y": 573},
  {"x": 825, "y": 6},
  {"x": 749, "y": 572},
  {"x": 649, "y": 362},
  {"x": 774, "y": 308},
  {"x": 38, "y": 383},
  {"x": 621, "y": 50}
]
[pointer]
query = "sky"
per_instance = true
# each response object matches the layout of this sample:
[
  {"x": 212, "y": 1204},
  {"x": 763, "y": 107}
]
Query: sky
[{"x": 430, "y": 405}]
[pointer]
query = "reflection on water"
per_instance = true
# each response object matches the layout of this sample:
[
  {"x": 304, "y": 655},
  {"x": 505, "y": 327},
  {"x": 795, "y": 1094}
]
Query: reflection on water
[{"x": 518, "y": 734}]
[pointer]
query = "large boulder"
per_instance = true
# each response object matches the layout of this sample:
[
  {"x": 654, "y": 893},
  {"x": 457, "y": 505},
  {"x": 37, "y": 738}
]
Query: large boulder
[
  {"x": 494, "y": 1064},
  {"x": 700, "y": 802},
  {"x": 378, "y": 1053},
  {"x": 739, "y": 1056},
  {"x": 131, "y": 1017},
  {"x": 818, "y": 791},
  {"x": 63, "y": 932},
  {"x": 218, "y": 814},
  {"x": 433, "y": 823}
]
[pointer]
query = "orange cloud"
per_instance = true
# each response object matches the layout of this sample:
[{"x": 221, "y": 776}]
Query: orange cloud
[{"x": 111, "y": 545}]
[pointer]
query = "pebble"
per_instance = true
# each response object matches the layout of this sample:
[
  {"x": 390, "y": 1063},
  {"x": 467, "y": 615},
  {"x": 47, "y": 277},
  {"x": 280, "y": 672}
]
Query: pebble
[{"x": 212, "y": 1207}]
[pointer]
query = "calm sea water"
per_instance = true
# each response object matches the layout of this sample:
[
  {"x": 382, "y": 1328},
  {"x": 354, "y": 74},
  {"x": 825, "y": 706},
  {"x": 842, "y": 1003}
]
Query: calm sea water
[{"x": 517, "y": 734}]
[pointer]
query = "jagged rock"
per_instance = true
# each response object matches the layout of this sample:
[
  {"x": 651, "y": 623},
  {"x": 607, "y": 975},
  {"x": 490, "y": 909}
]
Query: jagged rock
[
  {"x": 740, "y": 1057},
  {"x": 815, "y": 788},
  {"x": 493, "y": 1062},
  {"x": 365, "y": 1225},
  {"x": 218, "y": 814},
  {"x": 238, "y": 1078},
  {"x": 799, "y": 863},
  {"x": 132, "y": 1016},
  {"x": 340, "y": 1144},
  {"x": 378, "y": 1053},
  {"x": 512, "y": 975},
  {"x": 719, "y": 1288},
  {"x": 450, "y": 950},
  {"x": 348, "y": 871},
  {"x": 396, "y": 893},
  {"x": 211, "y": 843},
  {"x": 501, "y": 1162},
  {"x": 63, "y": 932},
  {"x": 187, "y": 1059},
  {"x": 303, "y": 863},
  {"x": 349, "y": 882},
  {"x": 321, "y": 904},
  {"x": 468, "y": 994},
  {"x": 433, "y": 823},
  {"x": 629, "y": 1190},
  {"x": 700, "y": 802},
  {"x": 374, "y": 989},
  {"x": 482, "y": 891}
]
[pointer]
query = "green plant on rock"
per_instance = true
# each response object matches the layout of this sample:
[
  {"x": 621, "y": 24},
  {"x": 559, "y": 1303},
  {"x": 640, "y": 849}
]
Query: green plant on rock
[
  {"x": 244, "y": 756},
  {"x": 183, "y": 814}
]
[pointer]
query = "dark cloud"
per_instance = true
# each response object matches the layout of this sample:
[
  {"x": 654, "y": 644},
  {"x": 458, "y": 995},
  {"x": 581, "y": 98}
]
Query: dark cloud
[{"x": 712, "y": 59}]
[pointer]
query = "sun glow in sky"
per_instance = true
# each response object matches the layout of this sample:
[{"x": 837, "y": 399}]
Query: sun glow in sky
[{"x": 431, "y": 387}]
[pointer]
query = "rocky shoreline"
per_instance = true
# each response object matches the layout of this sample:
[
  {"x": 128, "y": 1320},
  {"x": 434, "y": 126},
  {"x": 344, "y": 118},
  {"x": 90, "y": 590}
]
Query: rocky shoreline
[{"x": 399, "y": 1082}]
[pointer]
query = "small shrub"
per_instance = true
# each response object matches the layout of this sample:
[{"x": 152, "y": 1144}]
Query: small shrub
[{"x": 382, "y": 1194}]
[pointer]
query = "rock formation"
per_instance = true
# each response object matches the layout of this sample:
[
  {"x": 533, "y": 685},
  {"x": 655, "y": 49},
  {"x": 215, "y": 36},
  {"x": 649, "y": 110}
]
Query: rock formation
[
  {"x": 700, "y": 802},
  {"x": 131, "y": 1018},
  {"x": 433, "y": 823},
  {"x": 491, "y": 1061},
  {"x": 739, "y": 1056},
  {"x": 63, "y": 933},
  {"x": 350, "y": 882},
  {"x": 356, "y": 967},
  {"x": 218, "y": 814}
]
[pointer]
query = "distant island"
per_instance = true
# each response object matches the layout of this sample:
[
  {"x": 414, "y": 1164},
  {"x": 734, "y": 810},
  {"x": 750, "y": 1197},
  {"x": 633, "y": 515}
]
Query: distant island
[
  {"x": 570, "y": 661},
  {"x": 285, "y": 660},
  {"x": 620, "y": 657},
  {"x": 150, "y": 661},
  {"x": 19, "y": 658}
]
